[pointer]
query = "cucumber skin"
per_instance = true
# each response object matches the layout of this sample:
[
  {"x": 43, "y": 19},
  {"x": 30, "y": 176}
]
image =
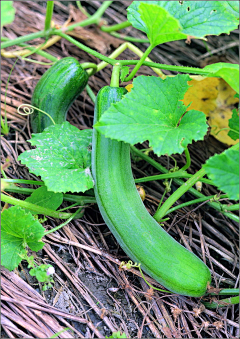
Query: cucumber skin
[
  {"x": 139, "y": 235},
  {"x": 55, "y": 92}
]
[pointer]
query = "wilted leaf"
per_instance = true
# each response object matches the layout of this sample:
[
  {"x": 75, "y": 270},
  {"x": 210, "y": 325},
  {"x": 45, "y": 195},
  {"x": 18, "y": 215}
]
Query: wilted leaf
[{"x": 216, "y": 99}]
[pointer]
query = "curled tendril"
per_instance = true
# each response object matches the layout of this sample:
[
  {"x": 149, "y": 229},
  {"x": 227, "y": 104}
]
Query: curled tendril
[
  {"x": 29, "y": 109},
  {"x": 128, "y": 265}
]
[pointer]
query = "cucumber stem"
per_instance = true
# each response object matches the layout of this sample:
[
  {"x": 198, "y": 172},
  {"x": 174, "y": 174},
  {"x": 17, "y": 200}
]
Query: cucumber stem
[
  {"x": 115, "y": 75},
  {"x": 93, "y": 67}
]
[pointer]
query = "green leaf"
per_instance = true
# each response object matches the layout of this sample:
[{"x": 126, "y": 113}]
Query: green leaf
[
  {"x": 124, "y": 72},
  {"x": 153, "y": 111},
  {"x": 229, "y": 72},
  {"x": 42, "y": 197},
  {"x": 232, "y": 7},
  {"x": 223, "y": 170},
  {"x": 117, "y": 335},
  {"x": 7, "y": 12},
  {"x": 197, "y": 18},
  {"x": 234, "y": 125},
  {"x": 160, "y": 25},
  {"x": 155, "y": 21},
  {"x": 40, "y": 272},
  {"x": 18, "y": 230},
  {"x": 62, "y": 158}
]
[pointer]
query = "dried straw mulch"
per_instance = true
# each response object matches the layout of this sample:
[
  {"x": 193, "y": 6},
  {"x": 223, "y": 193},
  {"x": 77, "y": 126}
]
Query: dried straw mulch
[{"x": 91, "y": 296}]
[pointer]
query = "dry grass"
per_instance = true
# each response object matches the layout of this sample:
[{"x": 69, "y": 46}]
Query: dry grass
[{"x": 92, "y": 296}]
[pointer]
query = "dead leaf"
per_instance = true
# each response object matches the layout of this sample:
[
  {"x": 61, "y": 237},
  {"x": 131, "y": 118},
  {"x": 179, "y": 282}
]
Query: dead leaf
[
  {"x": 176, "y": 312},
  {"x": 94, "y": 37},
  {"x": 218, "y": 325},
  {"x": 150, "y": 293},
  {"x": 104, "y": 312},
  {"x": 215, "y": 98},
  {"x": 211, "y": 289},
  {"x": 198, "y": 310},
  {"x": 205, "y": 324},
  {"x": 75, "y": 14}
]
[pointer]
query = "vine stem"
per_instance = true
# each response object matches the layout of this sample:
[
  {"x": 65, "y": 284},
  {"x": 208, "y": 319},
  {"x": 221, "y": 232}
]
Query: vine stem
[
  {"x": 24, "y": 38},
  {"x": 170, "y": 175},
  {"x": 129, "y": 38},
  {"x": 12, "y": 54},
  {"x": 94, "y": 19},
  {"x": 226, "y": 291},
  {"x": 161, "y": 212},
  {"x": 221, "y": 303},
  {"x": 135, "y": 50},
  {"x": 48, "y": 17},
  {"x": 196, "y": 201},
  {"x": 116, "y": 27},
  {"x": 183, "y": 69},
  {"x": 35, "y": 208},
  {"x": 188, "y": 160},
  {"x": 85, "y": 48},
  {"x": 179, "y": 182},
  {"x": 82, "y": 9},
  {"x": 81, "y": 200},
  {"x": 90, "y": 93},
  {"x": 139, "y": 64},
  {"x": 63, "y": 224},
  {"x": 92, "y": 67},
  {"x": 106, "y": 60}
]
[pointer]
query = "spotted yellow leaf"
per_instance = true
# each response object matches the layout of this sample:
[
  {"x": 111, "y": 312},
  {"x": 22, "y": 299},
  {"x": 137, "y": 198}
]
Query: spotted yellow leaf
[
  {"x": 129, "y": 87},
  {"x": 214, "y": 97}
]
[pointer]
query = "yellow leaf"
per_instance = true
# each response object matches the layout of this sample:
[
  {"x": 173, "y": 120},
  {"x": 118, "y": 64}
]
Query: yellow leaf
[
  {"x": 215, "y": 98},
  {"x": 129, "y": 87}
]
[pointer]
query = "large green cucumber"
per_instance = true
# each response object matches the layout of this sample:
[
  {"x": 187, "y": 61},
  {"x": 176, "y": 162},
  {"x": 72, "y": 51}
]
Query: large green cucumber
[
  {"x": 55, "y": 92},
  {"x": 140, "y": 236}
]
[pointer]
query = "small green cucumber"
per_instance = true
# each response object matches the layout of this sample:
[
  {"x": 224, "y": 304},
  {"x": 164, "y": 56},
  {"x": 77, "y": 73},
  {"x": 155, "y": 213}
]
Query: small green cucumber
[
  {"x": 137, "y": 232},
  {"x": 55, "y": 92}
]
